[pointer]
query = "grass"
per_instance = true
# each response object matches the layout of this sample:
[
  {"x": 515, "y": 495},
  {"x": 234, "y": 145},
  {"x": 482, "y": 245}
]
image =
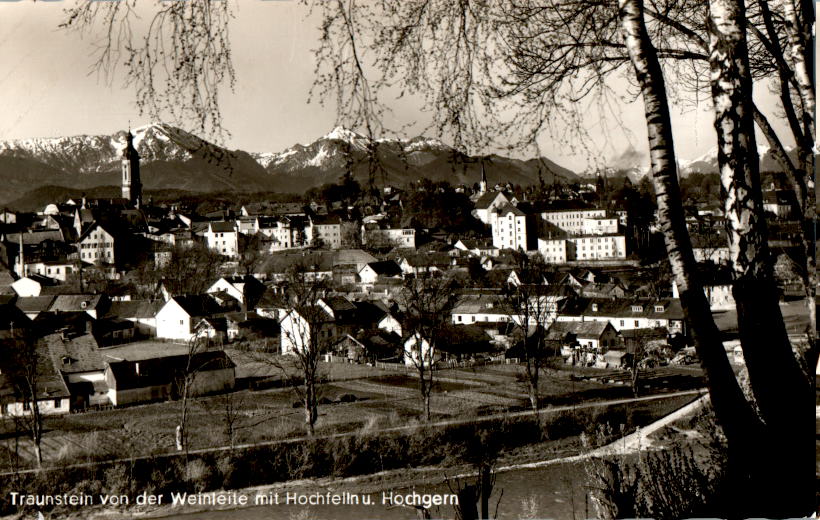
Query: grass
[{"x": 381, "y": 398}]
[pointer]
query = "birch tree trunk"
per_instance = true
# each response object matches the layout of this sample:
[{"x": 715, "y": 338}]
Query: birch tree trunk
[
  {"x": 798, "y": 30},
  {"x": 727, "y": 398},
  {"x": 781, "y": 474}
]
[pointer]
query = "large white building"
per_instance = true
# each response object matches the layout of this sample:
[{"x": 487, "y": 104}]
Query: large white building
[
  {"x": 223, "y": 237},
  {"x": 573, "y": 221},
  {"x": 607, "y": 247},
  {"x": 512, "y": 228},
  {"x": 397, "y": 237},
  {"x": 96, "y": 245},
  {"x": 326, "y": 232}
]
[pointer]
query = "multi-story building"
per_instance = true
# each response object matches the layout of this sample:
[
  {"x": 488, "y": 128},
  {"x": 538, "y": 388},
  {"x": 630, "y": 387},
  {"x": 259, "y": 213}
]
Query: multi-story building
[
  {"x": 223, "y": 237},
  {"x": 98, "y": 245},
  {"x": 572, "y": 221},
  {"x": 386, "y": 237},
  {"x": 606, "y": 247},
  {"x": 556, "y": 250},
  {"x": 599, "y": 226},
  {"x": 513, "y": 229},
  {"x": 324, "y": 231}
]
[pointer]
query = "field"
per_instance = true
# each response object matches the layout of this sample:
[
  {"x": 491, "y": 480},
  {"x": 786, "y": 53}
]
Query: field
[{"x": 374, "y": 398}]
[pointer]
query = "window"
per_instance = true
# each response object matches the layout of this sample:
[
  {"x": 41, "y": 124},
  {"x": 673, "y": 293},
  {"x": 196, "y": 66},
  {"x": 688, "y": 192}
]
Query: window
[
  {"x": 58, "y": 402},
  {"x": 636, "y": 323}
]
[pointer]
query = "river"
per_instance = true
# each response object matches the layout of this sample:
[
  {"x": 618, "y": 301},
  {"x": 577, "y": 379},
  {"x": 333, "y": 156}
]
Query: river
[{"x": 555, "y": 491}]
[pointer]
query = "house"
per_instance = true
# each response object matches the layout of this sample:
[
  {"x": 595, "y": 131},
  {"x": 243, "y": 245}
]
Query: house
[
  {"x": 146, "y": 380},
  {"x": 281, "y": 233},
  {"x": 577, "y": 221},
  {"x": 113, "y": 331},
  {"x": 245, "y": 289},
  {"x": 477, "y": 247},
  {"x": 53, "y": 396},
  {"x": 78, "y": 359},
  {"x": 625, "y": 314},
  {"x": 296, "y": 333},
  {"x": 596, "y": 247},
  {"x": 375, "y": 315},
  {"x": 32, "y": 306},
  {"x": 463, "y": 342},
  {"x": 418, "y": 352},
  {"x": 178, "y": 316},
  {"x": 92, "y": 304},
  {"x": 591, "y": 336},
  {"x": 718, "y": 294},
  {"x": 372, "y": 271},
  {"x": 417, "y": 264},
  {"x": 214, "y": 329},
  {"x": 482, "y": 308},
  {"x": 375, "y": 236},
  {"x": 31, "y": 285},
  {"x": 143, "y": 313},
  {"x": 223, "y": 237},
  {"x": 100, "y": 244}
]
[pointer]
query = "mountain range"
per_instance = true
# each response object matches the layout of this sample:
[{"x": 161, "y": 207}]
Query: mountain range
[
  {"x": 172, "y": 158},
  {"x": 635, "y": 165}
]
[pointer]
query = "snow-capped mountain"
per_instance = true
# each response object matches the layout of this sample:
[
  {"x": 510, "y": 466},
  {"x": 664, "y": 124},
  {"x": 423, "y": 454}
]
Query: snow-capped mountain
[
  {"x": 174, "y": 158},
  {"x": 88, "y": 154},
  {"x": 398, "y": 161},
  {"x": 708, "y": 162}
]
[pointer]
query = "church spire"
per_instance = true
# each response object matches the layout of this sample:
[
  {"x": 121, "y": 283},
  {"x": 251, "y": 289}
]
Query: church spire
[
  {"x": 131, "y": 185},
  {"x": 482, "y": 186}
]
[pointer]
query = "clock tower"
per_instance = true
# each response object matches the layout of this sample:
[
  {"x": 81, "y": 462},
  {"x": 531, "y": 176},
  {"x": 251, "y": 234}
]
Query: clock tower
[{"x": 131, "y": 185}]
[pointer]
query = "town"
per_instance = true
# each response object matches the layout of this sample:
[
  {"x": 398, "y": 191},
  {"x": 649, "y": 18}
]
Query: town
[{"x": 121, "y": 294}]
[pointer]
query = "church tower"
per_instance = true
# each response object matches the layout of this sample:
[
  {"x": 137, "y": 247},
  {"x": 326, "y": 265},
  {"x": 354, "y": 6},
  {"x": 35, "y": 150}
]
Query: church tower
[
  {"x": 482, "y": 186},
  {"x": 131, "y": 185}
]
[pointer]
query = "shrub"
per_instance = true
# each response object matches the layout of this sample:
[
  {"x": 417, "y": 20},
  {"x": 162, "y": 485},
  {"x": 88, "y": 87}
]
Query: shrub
[{"x": 199, "y": 475}]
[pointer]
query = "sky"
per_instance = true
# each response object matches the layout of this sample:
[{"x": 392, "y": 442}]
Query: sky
[{"x": 48, "y": 89}]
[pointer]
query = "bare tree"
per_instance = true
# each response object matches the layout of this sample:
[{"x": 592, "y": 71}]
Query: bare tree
[
  {"x": 25, "y": 370},
  {"x": 425, "y": 300},
  {"x": 177, "y": 66},
  {"x": 307, "y": 333},
  {"x": 480, "y": 450},
  {"x": 531, "y": 311},
  {"x": 189, "y": 270},
  {"x": 185, "y": 380}
]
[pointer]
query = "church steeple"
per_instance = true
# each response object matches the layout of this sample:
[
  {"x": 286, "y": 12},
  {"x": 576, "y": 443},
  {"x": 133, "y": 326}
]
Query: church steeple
[
  {"x": 482, "y": 186},
  {"x": 131, "y": 185}
]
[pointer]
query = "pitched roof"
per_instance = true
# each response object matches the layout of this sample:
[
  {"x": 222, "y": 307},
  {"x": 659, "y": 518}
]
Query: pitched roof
[
  {"x": 222, "y": 227},
  {"x": 140, "y": 309},
  {"x": 385, "y": 268},
  {"x": 34, "y": 303},
  {"x": 74, "y": 354},
  {"x": 504, "y": 209},
  {"x": 195, "y": 304},
  {"x": 485, "y": 200},
  {"x": 36, "y": 237},
  {"x": 161, "y": 371},
  {"x": 77, "y": 302},
  {"x": 581, "y": 329}
]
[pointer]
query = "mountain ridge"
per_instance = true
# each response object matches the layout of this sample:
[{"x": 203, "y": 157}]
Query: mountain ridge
[{"x": 172, "y": 158}]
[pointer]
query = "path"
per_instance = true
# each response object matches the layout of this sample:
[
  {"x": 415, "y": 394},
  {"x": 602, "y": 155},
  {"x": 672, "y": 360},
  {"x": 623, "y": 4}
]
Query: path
[{"x": 396, "y": 429}]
